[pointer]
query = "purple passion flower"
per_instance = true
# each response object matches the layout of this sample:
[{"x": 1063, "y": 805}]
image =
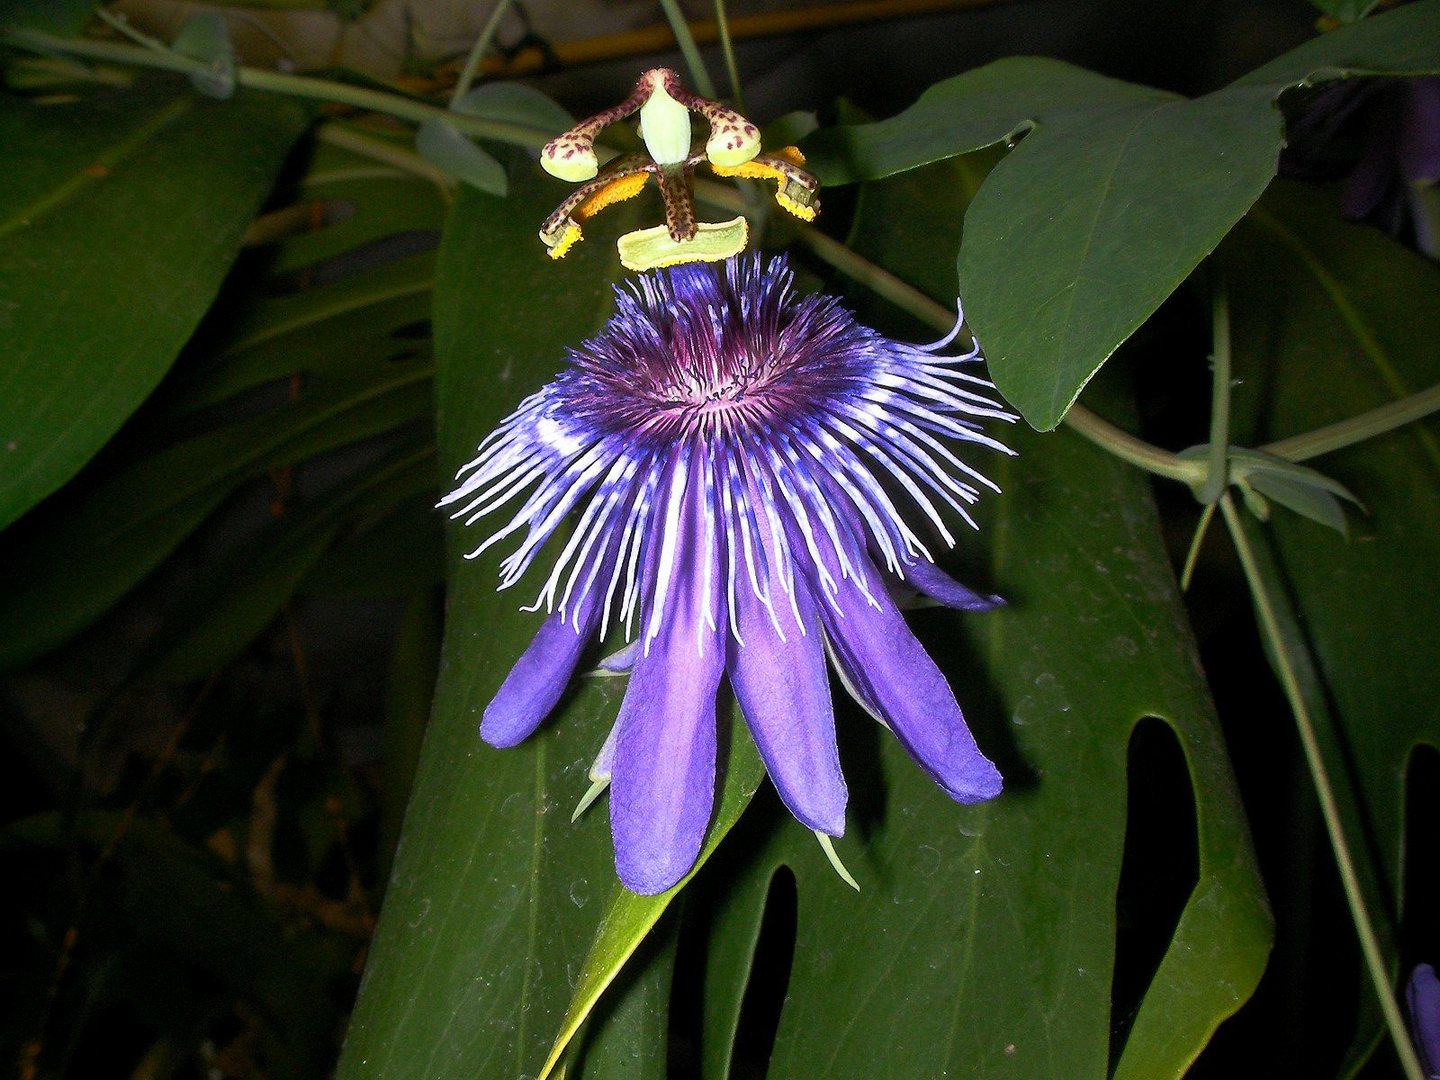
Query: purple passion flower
[{"x": 735, "y": 452}]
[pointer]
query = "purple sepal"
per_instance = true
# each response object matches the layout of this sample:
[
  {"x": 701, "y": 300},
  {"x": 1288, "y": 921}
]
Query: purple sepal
[
  {"x": 929, "y": 579},
  {"x": 662, "y": 786},
  {"x": 900, "y": 682},
  {"x": 539, "y": 677},
  {"x": 784, "y": 691},
  {"x": 1423, "y": 997}
]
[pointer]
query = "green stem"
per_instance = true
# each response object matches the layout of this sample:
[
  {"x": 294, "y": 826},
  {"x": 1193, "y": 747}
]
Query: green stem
[
  {"x": 728, "y": 51},
  {"x": 1192, "y": 556},
  {"x": 704, "y": 85},
  {"x": 1287, "y": 667},
  {"x": 477, "y": 52},
  {"x": 120, "y": 25},
  {"x": 301, "y": 86},
  {"x": 1358, "y": 428},
  {"x": 387, "y": 153},
  {"x": 1217, "y": 474},
  {"x": 1136, "y": 451}
]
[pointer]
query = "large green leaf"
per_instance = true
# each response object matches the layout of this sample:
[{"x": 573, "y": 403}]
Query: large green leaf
[
  {"x": 1330, "y": 320},
  {"x": 1114, "y": 194},
  {"x": 358, "y": 202},
  {"x": 120, "y": 215},
  {"x": 986, "y": 938}
]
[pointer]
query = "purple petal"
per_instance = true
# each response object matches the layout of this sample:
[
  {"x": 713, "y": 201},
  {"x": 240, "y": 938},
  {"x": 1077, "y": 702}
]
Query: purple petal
[
  {"x": 663, "y": 782},
  {"x": 1423, "y": 997},
  {"x": 897, "y": 680},
  {"x": 539, "y": 677},
  {"x": 784, "y": 691},
  {"x": 934, "y": 583}
]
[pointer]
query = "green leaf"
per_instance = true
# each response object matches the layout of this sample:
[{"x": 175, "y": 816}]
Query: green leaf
[
  {"x": 120, "y": 215},
  {"x": 92, "y": 553},
  {"x": 441, "y": 143},
  {"x": 495, "y": 895},
  {"x": 401, "y": 554},
  {"x": 629, "y": 918},
  {"x": 1341, "y": 320},
  {"x": 206, "y": 38},
  {"x": 1114, "y": 194},
  {"x": 409, "y": 695},
  {"x": 515, "y": 103},
  {"x": 1260, "y": 475},
  {"x": 627, "y": 1036},
  {"x": 789, "y": 129},
  {"x": 951, "y": 959}
]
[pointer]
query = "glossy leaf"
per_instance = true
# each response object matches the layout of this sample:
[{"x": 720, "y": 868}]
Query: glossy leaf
[
  {"x": 134, "y": 202},
  {"x": 1114, "y": 194},
  {"x": 340, "y": 330},
  {"x": 401, "y": 554},
  {"x": 355, "y": 203},
  {"x": 629, "y": 918}
]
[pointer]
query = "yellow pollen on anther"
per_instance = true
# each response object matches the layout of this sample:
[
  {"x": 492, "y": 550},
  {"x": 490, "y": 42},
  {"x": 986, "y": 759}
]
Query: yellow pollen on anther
[
  {"x": 568, "y": 238},
  {"x": 626, "y": 187}
]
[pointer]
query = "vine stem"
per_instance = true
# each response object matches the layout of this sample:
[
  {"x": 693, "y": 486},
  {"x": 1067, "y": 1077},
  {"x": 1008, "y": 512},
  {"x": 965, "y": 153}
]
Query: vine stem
[
  {"x": 1358, "y": 428},
  {"x": 279, "y": 82},
  {"x": 477, "y": 52},
  {"x": 727, "y": 49},
  {"x": 1217, "y": 474},
  {"x": 704, "y": 85},
  {"x": 1287, "y": 666}
]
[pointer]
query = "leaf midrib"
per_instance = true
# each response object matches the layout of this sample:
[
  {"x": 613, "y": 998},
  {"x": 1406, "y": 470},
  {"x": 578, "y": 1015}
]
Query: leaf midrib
[{"x": 97, "y": 170}]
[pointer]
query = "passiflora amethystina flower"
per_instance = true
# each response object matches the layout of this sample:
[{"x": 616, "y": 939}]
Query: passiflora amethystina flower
[{"x": 738, "y": 456}]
